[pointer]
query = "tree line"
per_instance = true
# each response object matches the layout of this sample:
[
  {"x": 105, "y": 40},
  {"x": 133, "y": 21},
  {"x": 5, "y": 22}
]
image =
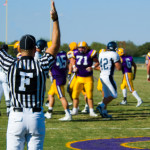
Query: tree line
[{"x": 129, "y": 46}]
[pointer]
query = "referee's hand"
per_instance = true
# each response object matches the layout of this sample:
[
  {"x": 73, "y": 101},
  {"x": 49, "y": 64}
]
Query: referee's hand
[{"x": 53, "y": 12}]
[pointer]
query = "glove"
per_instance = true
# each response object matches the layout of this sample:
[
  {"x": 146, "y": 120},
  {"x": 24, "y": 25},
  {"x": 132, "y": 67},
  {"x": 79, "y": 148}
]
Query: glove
[{"x": 69, "y": 76}]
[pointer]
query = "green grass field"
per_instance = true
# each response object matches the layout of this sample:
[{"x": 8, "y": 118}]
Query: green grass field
[{"x": 128, "y": 121}]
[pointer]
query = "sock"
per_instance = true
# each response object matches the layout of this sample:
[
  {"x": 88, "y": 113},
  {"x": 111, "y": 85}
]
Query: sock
[
  {"x": 67, "y": 111},
  {"x": 86, "y": 105},
  {"x": 124, "y": 92},
  {"x": 75, "y": 109},
  {"x": 91, "y": 110},
  {"x": 136, "y": 96},
  {"x": 50, "y": 109}
]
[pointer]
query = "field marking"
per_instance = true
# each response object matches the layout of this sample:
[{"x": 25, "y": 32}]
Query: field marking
[
  {"x": 68, "y": 145},
  {"x": 99, "y": 128},
  {"x": 126, "y": 144}
]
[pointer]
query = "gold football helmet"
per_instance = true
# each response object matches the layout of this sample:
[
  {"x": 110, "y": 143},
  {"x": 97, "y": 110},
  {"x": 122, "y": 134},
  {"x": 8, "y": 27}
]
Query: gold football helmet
[
  {"x": 72, "y": 46},
  {"x": 120, "y": 51},
  {"x": 17, "y": 46}
]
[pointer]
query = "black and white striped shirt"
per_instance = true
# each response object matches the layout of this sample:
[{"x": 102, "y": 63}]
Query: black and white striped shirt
[{"x": 26, "y": 78}]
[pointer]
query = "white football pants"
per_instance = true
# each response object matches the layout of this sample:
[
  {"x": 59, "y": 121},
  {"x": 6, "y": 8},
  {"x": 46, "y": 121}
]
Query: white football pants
[
  {"x": 4, "y": 86},
  {"x": 26, "y": 126},
  {"x": 109, "y": 86}
]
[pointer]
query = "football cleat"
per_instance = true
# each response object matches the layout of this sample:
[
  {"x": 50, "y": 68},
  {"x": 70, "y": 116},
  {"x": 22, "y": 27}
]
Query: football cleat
[
  {"x": 85, "y": 110},
  {"x": 47, "y": 103},
  {"x": 105, "y": 114},
  {"x": 73, "y": 112},
  {"x": 93, "y": 114},
  {"x": 48, "y": 115},
  {"x": 139, "y": 103},
  {"x": 124, "y": 102},
  {"x": 99, "y": 108},
  {"x": 66, "y": 118}
]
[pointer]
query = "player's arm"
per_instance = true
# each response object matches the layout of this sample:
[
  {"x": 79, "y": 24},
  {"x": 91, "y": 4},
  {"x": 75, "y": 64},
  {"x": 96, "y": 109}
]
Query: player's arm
[
  {"x": 5, "y": 60},
  {"x": 135, "y": 68},
  {"x": 97, "y": 68},
  {"x": 73, "y": 64},
  {"x": 148, "y": 70},
  {"x": 95, "y": 65},
  {"x": 56, "y": 32},
  {"x": 118, "y": 65}
]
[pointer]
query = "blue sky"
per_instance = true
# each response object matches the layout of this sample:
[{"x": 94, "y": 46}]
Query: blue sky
[{"x": 80, "y": 20}]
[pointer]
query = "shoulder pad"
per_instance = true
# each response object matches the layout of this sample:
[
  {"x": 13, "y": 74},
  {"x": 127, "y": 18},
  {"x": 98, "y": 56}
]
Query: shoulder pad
[{"x": 94, "y": 52}]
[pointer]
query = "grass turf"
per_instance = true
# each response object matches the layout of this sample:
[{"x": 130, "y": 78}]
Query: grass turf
[{"x": 128, "y": 121}]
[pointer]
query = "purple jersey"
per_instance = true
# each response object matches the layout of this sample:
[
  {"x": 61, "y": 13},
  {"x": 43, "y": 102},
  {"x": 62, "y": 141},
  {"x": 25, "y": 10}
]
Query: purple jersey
[
  {"x": 84, "y": 60},
  {"x": 59, "y": 69},
  {"x": 126, "y": 63}
]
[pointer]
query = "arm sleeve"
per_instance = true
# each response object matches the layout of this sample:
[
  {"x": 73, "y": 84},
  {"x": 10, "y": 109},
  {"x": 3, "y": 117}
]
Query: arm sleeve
[
  {"x": 5, "y": 60},
  {"x": 46, "y": 61},
  {"x": 94, "y": 54},
  {"x": 70, "y": 55},
  {"x": 116, "y": 58}
]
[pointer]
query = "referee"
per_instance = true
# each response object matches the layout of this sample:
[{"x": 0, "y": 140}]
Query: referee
[{"x": 26, "y": 78}]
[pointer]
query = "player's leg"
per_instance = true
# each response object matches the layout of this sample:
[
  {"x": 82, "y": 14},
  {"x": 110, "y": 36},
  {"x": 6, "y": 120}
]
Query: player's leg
[
  {"x": 70, "y": 86},
  {"x": 86, "y": 107},
  {"x": 99, "y": 88},
  {"x": 124, "y": 90},
  {"x": 110, "y": 93},
  {"x": 15, "y": 131},
  {"x": 61, "y": 96},
  {"x": 88, "y": 84},
  {"x": 78, "y": 87},
  {"x": 129, "y": 79},
  {"x": 36, "y": 130},
  {"x": 51, "y": 99},
  {"x": 7, "y": 97}
]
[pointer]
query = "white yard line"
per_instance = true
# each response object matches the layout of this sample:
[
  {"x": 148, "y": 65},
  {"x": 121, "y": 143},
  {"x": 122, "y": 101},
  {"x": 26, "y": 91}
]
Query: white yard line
[{"x": 99, "y": 128}]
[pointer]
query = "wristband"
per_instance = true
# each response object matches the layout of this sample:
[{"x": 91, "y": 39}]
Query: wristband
[
  {"x": 55, "y": 19},
  {"x": 69, "y": 72},
  {"x": 93, "y": 66},
  {"x": 148, "y": 76}
]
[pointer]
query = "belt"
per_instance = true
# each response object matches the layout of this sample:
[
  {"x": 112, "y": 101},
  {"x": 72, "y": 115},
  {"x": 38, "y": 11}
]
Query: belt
[{"x": 21, "y": 109}]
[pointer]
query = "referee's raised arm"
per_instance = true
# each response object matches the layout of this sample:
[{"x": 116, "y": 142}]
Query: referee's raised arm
[{"x": 56, "y": 32}]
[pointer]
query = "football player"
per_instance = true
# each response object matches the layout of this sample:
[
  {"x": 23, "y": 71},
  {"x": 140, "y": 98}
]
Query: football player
[
  {"x": 99, "y": 84},
  {"x": 41, "y": 46},
  {"x": 73, "y": 47},
  {"x": 148, "y": 67},
  {"x": 59, "y": 72},
  {"x": 109, "y": 60},
  {"x": 83, "y": 60},
  {"x": 4, "y": 89},
  {"x": 147, "y": 58},
  {"x": 128, "y": 76}
]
